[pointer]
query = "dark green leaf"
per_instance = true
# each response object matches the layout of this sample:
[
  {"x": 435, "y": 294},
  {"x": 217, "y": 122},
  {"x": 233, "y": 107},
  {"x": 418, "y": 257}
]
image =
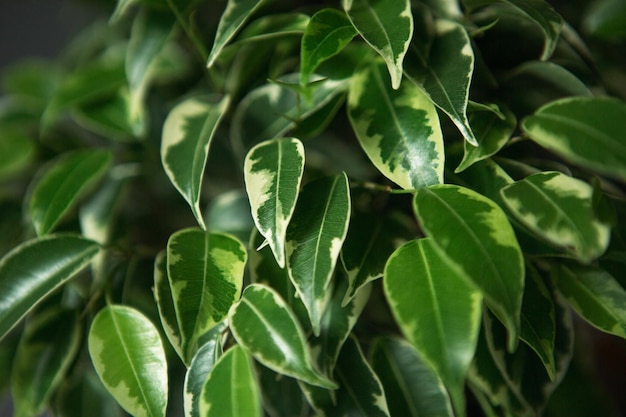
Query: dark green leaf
[
  {"x": 16, "y": 151},
  {"x": 230, "y": 213},
  {"x": 273, "y": 26},
  {"x": 165, "y": 303},
  {"x": 607, "y": 19},
  {"x": 282, "y": 396}
]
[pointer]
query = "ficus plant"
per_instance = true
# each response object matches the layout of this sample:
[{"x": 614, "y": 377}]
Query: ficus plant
[{"x": 316, "y": 208}]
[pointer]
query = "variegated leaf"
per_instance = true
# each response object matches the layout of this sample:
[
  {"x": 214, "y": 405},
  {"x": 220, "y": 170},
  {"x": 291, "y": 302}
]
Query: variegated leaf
[
  {"x": 36, "y": 268},
  {"x": 474, "y": 232},
  {"x": 387, "y": 26},
  {"x": 165, "y": 303},
  {"x": 587, "y": 131},
  {"x": 327, "y": 33},
  {"x": 443, "y": 69},
  {"x": 559, "y": 208},
  {"x": 426, "y": 290},
  {"x": 186, "y": 139},
  {"x": 398, "y": 129},
  {"x": 128, "y": 355},
  {"x": 264, "y": 325},
  {"x": 272, "y": 171},
  {"x": 314, "y": 238},
  {"x": 205, "y": 272}
]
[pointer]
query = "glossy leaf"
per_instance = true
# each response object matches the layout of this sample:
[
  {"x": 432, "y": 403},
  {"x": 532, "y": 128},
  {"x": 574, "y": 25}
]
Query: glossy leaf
[
  {"x": 165, "y": 303},
  {"x": 273, "y": 171},
  {"x": 314, "y": 238},
  {"x": 263, "y": 324},
  {"x": 186, "y": 139},
  {"x": 584, "y": 130},
  {"x": 327, "y": 33},
  {"x": 387, "y": 27},
  {"x": 128, "y": 355},
  {"x": 398, "y": 129},
  {"x": 559, "y": 209},
  {"x": 235, "y": 15},
  {"x": 201, "y": 366},
  {"x": 60, "y": 185},
  {"x": 412, "y": 388},
  {"x": 34, "y": 269},
  {"x": 50, "y": 341},
  {"x": 205, "y": 272},
  {"x": 443, "y": 70},
  {"x": 474, "y": 232},
  {"x": 595, "y": 295},
  {"x": 425, "y": 290},
  {"x": 16, "y": 151}
]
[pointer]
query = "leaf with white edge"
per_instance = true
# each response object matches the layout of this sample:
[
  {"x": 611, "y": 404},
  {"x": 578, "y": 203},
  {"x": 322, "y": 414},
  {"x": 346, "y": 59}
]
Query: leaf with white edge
[
  {"x": 587, "y": 131},
  {"x": 36, "y": 268},
  {"x": 372, "y": 238},
  {"x": 165, "y": 303},
  {"x": 474, "y": 232},
  {"x": 128, "y": 355},
  {"x": 559, "y": 209},
  {"x": 360, "y": 392},
  {"x": 314, "y": 238},
  {"x": 234, "y": 16},
  {"x": 491, "y": 132},
  {"x": 62, "y": 183},
  {"x": 205, "y": 272},
  {"x": 594, "y": 294},
  {"x": 186, "y": 139},
  {"x": 45, "y": 352},
  {"x": 327, "y": 33},
  {"x": 387, "y": 27},
  {"x": 412, "y": 388},
  {"x": 201, "y": 365},
  {"x": 398, "y": 129},
  {"x": 426, "y": 290},
  {"x": 263, "y": 324},
  {"x": 272, "y": 172},
  {"x": 444, "y": 71}
]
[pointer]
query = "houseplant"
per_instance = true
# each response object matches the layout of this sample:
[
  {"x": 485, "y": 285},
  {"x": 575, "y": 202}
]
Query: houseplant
[{"x": 251, "y": 208}]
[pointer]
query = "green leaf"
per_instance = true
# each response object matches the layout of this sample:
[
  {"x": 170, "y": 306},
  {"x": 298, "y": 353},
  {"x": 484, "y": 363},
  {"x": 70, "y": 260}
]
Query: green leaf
[
  {"x": 327, "y": 33},
  {"x": 425, "y": 290},
  {"x": 412, "y": 388},
  {"x": 201, "y": 365},
  {"x": 492, "y": 133},
  {"x": 128, "y": 355},
  {"x": 559, "y": 209},
  {"x": 443, "y": 70},
  {"x": 273, "y": 26},
  {"x": 544, "y": 15},
  {"x": 360, "y": 392},
  {"x": 398, "y": 129},
  {"x": 186, "y": 139},
  {"x": 121, "y": 8},
  {"x": 387, "y": 27},
  {"x": 282, "y": 396},
  {"x": 16, "y": 151},
  {"x": 83, "y": 394},
  {"x": 205, "y": 272},
  {"x": 50, "y": 341},
  {"x": 231, "y": 388},
  {"x": 606, "y": 19},
  {"x": 235, "y": 15},
  {"x": 273, "y": 171},
  {"x": 229, "y": 212},
  {"x": 264, "y": 325},
  {"x": 314, "y": 238},
  {"x": 61, "y": 184},
  {"x": 110, "y": 118},
  {"x": 474, "y": 232},
  {"x": 594, "y": 294},
  {"x": 34, "y": 269},
  {"x": 165, "y": 303},
  {"x": 587, "y": 131}
]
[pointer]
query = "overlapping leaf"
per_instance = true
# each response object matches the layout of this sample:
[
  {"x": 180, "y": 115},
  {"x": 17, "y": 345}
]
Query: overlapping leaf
[
  {"x": 282, "y": 395},
  {"x": 387, "y": 27},
  {"x": 34, "y": 269},
  {"x": 314, "y": 238},
  {"x": 273, "y": 171},
  {"x": 60, "y": 186},
  {"x": 128, "y": 355},
  {"x": 474, "y": 232},
  {"x": 425, "y": 290},
  {"x": 265, "y": 326},
  {"x": 587, "y": 131},
  {"x": 187, "y": 135},
  {"x": 559, "y": 208},
  {"x": 205, "y": 272},
  {"x": 398, "y": 129},
  {"x": 165, "y": 303},
  {"x": 273, "y": 26}
]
